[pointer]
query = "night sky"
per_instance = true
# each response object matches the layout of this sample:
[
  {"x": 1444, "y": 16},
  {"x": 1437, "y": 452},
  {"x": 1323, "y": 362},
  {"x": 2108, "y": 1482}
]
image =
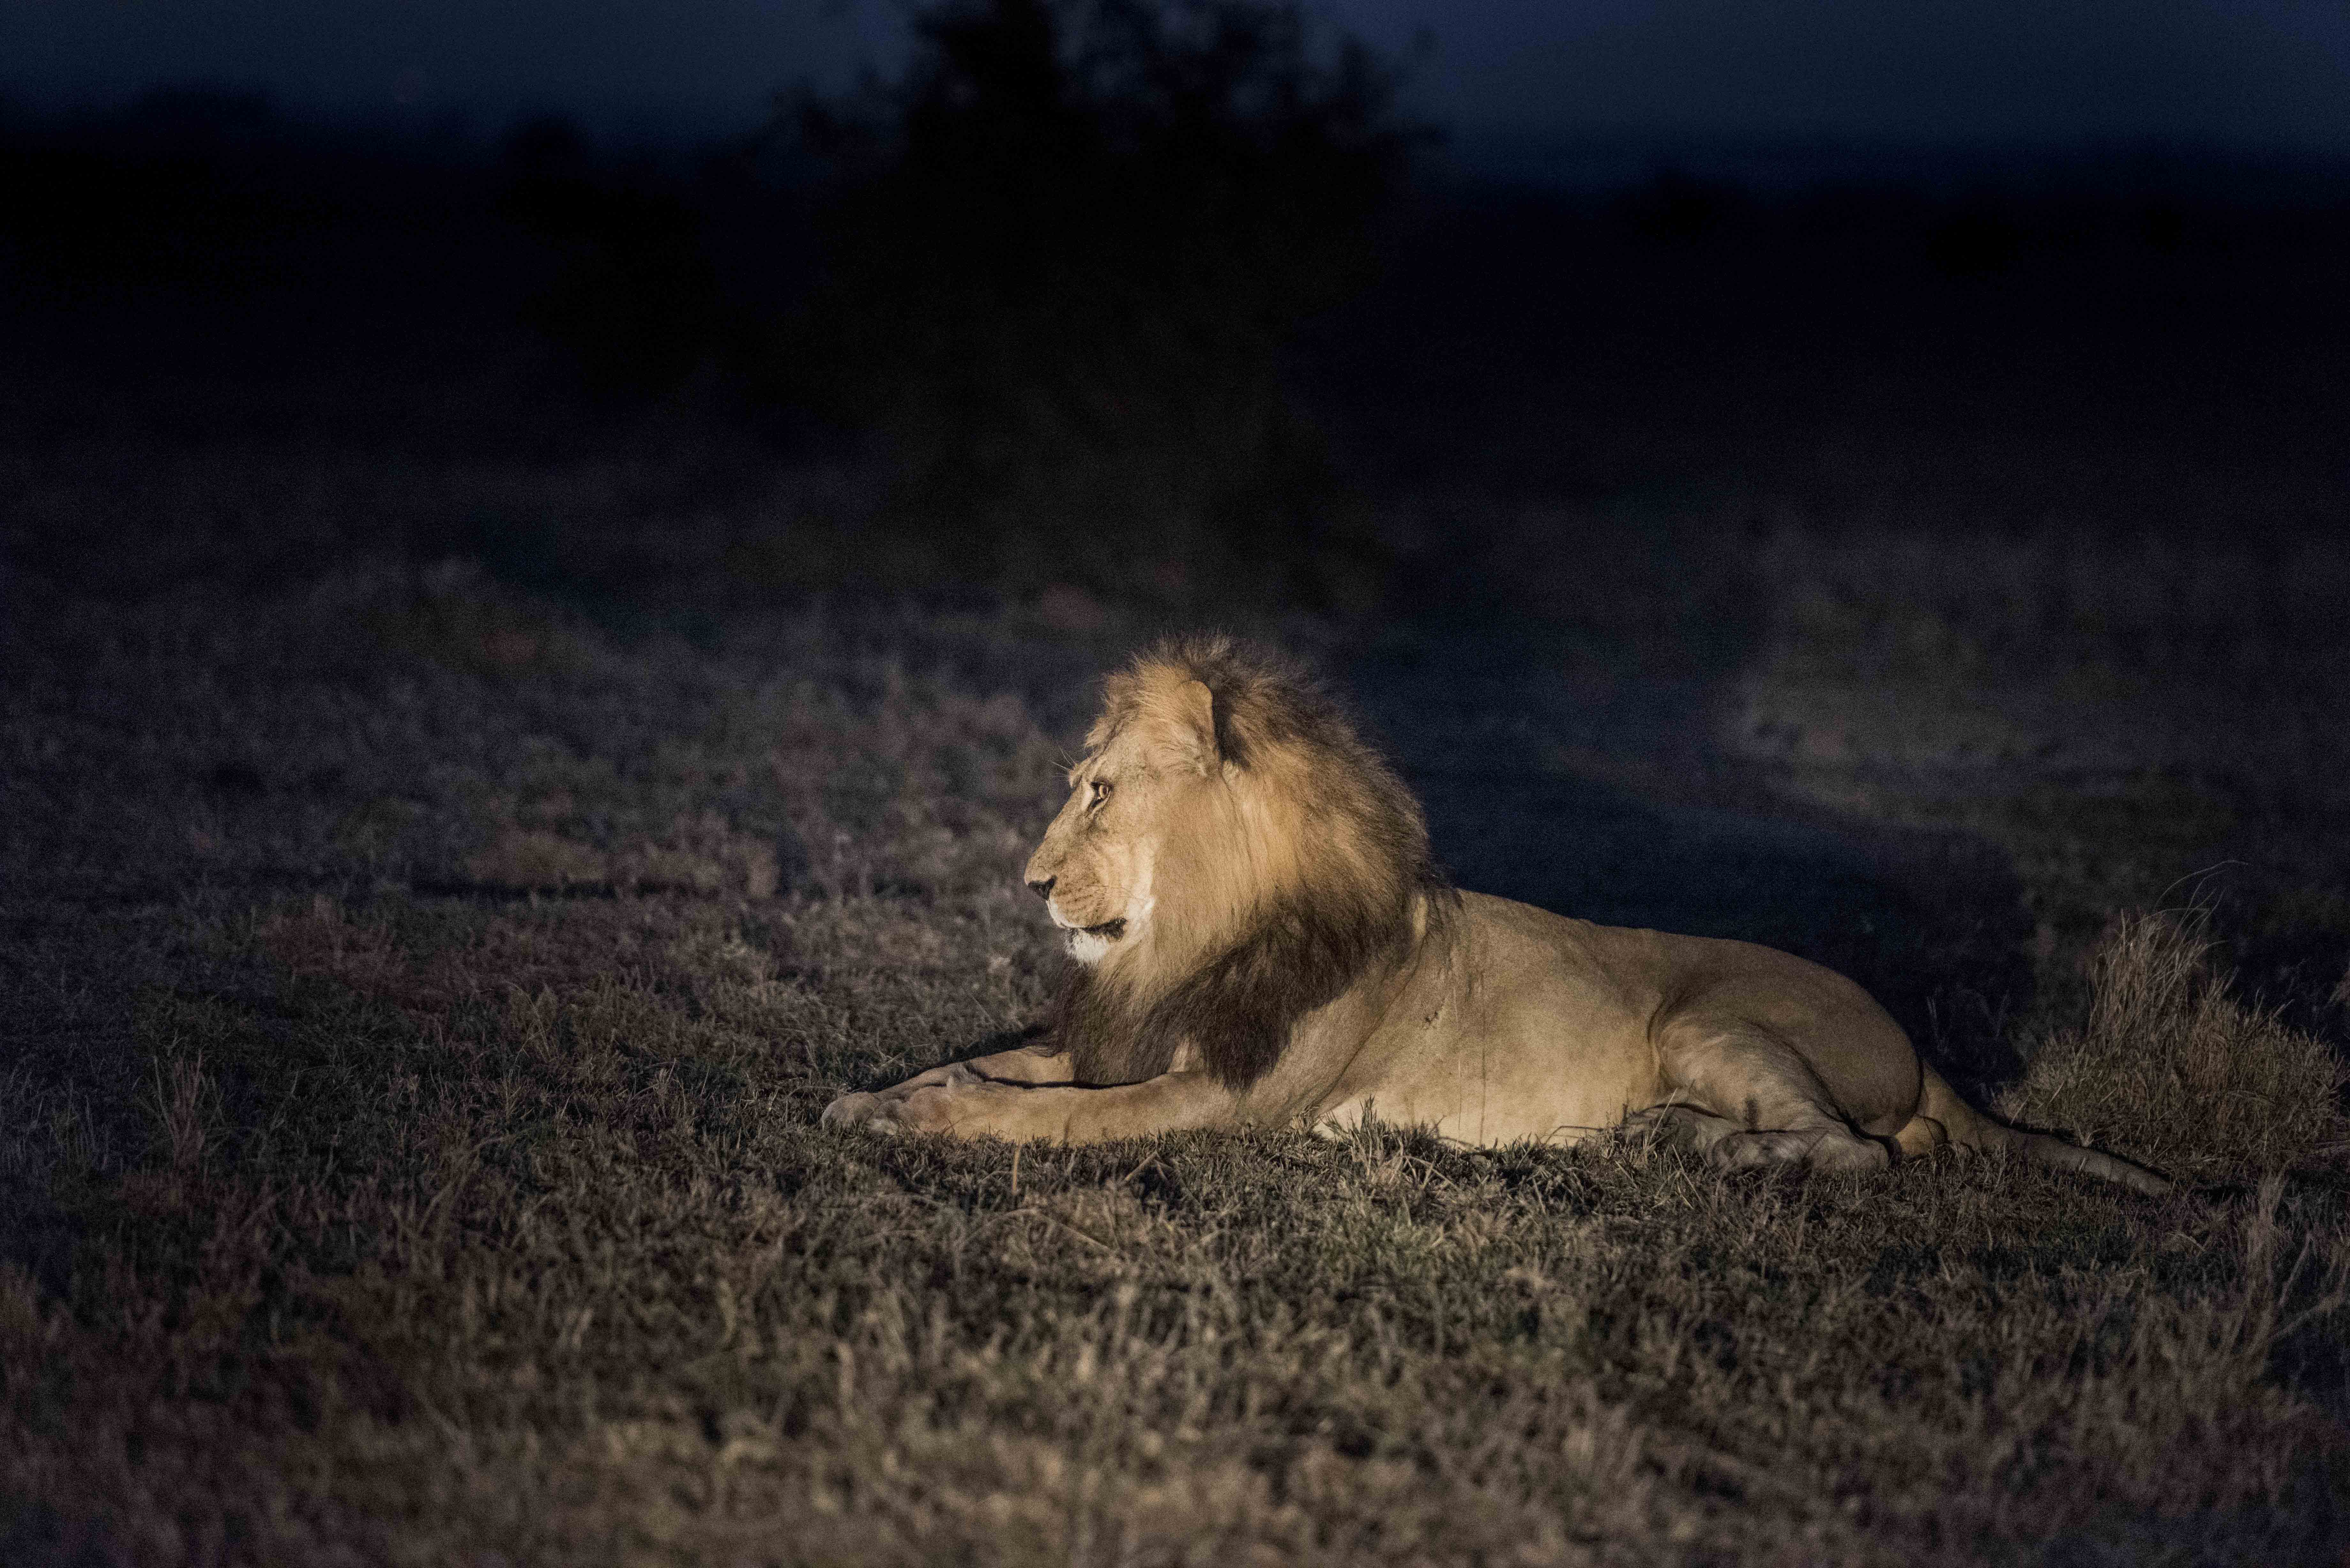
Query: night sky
[{"x": 1507, "y": 76}]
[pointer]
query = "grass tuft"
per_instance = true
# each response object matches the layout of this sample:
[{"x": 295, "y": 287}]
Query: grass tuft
[
  {"x": 184, "y": 1105},
  {"x": 2174, "y": 1068}
]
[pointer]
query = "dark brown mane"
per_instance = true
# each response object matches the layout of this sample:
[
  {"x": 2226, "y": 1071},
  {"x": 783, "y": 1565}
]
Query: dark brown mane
[{"x": 1299, "y": 947}]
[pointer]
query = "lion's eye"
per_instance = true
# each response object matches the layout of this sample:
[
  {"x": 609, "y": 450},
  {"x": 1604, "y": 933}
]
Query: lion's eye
[{"x": 1101, "y": 793}]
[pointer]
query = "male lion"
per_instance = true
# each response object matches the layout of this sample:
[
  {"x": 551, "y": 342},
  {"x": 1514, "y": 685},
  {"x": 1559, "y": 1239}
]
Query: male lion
[{"x": 1264, "y": 939}]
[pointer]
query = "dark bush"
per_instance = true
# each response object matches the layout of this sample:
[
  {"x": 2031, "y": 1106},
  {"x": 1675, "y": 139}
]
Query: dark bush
[
  {"x": 633, "y": 297},
  {"x": 1065, "y": 251}
]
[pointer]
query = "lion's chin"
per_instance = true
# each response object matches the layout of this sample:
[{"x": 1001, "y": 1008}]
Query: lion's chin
[{"x": 1088, "y": 943}]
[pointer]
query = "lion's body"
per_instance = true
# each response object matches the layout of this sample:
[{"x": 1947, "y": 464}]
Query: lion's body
[
  {"x": 1529, "y": 1024},
  {"x": 1266, "y": 943}
]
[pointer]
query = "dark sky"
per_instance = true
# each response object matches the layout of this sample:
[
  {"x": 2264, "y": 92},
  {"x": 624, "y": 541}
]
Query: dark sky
[{"x": 1962, "y": 74}]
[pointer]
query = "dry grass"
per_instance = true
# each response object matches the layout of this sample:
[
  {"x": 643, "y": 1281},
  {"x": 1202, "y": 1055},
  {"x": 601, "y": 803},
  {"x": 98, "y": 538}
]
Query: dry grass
[
  {"x": 2196, "y": 1081},
  {"x": 408, "y": 1154}
]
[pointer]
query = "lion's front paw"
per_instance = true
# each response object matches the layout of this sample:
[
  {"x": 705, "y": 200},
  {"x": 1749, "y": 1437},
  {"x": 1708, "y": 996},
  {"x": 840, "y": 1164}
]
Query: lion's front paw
[
  {"x": 925, "y": 1103},
  {"x": 929, "y": 1109},
  {"x": 855, "y": 1109}
]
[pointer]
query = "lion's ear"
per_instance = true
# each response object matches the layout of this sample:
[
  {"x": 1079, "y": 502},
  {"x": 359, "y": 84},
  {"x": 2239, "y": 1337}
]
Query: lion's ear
[{"x": 1195, "y": 712}]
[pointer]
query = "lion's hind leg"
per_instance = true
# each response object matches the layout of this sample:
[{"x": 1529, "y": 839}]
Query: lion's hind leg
[
  {"x": 1921, "y": 1136},
  {"x": 1724, "y": 1143},
  {"x": 1825, "y": 1148},
  {"x": 1744, "y": 1098},
  {"x": 1676, "y": 1125}
]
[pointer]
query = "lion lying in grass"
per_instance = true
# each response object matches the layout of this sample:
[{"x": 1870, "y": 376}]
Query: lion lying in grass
[{"x": 1264, "y": 940}]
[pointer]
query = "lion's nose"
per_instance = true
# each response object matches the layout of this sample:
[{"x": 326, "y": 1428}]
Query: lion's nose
[{"x": 1041, "y": 886}]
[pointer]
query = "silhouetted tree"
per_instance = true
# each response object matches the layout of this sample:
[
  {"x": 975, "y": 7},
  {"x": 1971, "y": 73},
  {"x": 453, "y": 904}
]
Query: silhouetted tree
[
  {"x": 634, "y": 299},
  {"x": 1066, "y": 249}
]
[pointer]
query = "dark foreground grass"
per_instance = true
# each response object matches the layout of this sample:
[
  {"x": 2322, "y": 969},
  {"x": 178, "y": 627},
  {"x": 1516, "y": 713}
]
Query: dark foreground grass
[{"x": 417, "y": 1013}]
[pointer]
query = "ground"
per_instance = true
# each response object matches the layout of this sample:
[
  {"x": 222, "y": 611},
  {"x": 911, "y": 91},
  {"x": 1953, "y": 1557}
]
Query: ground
[
  {"x": 422, "y": 987},
  {"x": 457, "y": 832}
]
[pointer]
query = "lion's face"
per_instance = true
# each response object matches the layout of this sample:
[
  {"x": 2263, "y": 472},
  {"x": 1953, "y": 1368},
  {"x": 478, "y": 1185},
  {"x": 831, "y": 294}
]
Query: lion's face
[
  {"x": 1098, "y": 865},
  {"x": 1231, "y": 858}
]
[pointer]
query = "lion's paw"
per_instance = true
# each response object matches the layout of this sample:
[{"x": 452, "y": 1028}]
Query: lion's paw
[
  {"x": 927, "y": 1107},
  {"x": 857, "y": 1109},
  {"x": 1830, "y": 1149}
]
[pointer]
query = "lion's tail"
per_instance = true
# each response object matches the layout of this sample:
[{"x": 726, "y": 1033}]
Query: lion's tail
[{"x": 1941, "y": 1107}]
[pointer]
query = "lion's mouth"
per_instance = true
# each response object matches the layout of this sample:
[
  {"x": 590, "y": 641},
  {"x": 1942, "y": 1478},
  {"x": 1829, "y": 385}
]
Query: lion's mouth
[{"x": 1108, "y": 930}]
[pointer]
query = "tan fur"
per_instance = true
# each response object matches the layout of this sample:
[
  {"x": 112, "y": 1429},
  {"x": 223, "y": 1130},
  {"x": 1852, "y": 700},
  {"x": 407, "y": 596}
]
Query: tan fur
[{"x": 1272, "y": 945}]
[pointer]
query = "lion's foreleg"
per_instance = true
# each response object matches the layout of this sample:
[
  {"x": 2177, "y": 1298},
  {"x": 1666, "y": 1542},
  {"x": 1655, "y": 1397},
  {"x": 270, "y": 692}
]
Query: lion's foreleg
[
  {"x": 1038, "y": 1064},
  {"x": 1057, "y": 1113},
  {"x": 1041, "y": 1064}
]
